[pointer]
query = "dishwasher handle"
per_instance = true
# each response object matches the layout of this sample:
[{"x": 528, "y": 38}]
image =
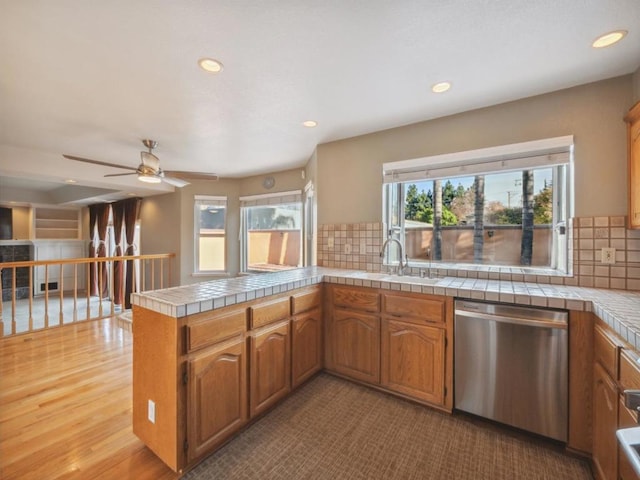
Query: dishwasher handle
[{"x": 516, "y": 321}]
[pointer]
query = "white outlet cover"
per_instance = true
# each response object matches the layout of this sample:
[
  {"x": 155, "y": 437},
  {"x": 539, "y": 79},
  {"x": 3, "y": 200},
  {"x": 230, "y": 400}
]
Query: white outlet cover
[
  {"x": 608, "y": 255},
  {"x": 151, "y": 411}
]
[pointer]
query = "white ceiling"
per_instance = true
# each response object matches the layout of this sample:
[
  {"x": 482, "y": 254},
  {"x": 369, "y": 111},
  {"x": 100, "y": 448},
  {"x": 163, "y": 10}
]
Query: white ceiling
[{"x": 92, "y": 78}]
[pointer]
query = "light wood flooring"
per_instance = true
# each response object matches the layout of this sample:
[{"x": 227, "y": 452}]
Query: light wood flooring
[{"x": 65, "y": 406}]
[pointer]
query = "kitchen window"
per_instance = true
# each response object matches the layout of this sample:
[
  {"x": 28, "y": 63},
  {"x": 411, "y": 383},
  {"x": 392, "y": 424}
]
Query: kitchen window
[
  {"x": 499, "y": 206},
  {"x": 210, "y": 214},
  {"x": 271, "y": 232}
]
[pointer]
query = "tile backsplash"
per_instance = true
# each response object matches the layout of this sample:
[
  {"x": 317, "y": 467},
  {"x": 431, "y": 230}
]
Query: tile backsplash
[{"x": 357, "y": 246}]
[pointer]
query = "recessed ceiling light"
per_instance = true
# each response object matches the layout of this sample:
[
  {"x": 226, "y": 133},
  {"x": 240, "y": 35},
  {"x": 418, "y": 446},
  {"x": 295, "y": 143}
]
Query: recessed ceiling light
[
  {"x": 13, "y": 202},
  {"x": 210, "y": 65},
  {"x": 310, "y": 123},
  {"x": 131, "y": 194},
  {"x": 70, "y": 180},
  {"x": 609, "y": 39},
  {"x": 441, "y": 87}
]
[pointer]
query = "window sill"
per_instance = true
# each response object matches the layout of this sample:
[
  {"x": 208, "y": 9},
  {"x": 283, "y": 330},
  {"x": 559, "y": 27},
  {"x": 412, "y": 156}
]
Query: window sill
[{"x": 492, "y": 272}]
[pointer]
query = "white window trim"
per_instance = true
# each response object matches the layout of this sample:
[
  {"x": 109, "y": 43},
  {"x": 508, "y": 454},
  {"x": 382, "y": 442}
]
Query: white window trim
[
  {"x": 216, "y": 200},
  {"x": 515, "y": 156}
]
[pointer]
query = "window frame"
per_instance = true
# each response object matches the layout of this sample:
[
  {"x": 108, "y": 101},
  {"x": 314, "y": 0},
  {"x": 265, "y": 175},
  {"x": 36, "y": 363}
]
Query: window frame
[
  {"x": 555, "y": 153},
  {"x": 268, "y": 200},
  {"x": 219, "y": 202}
]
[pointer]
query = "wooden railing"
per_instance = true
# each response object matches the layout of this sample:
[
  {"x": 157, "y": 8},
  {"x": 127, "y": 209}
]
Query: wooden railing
[{"x": 71, "y": 301}]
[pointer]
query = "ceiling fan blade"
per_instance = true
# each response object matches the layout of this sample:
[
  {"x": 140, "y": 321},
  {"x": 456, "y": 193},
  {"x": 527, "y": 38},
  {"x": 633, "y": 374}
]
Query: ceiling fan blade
[
  {"x": 97, "y": 162},
  {"x": 191, "y": 175},
  {"x": 119, "y": 174},
  {"x": 150, "y": 160},
  {"x": 176, "y": 182}
]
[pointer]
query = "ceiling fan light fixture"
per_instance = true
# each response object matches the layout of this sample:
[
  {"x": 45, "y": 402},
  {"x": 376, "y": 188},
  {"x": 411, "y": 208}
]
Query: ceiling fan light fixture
[
  {"x": 210, "y": 65},
  {"x": 149, "y": 178}
]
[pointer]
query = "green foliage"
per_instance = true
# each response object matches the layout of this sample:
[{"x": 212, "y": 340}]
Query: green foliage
[
  {"x": 419, "y": 206},
  {"x": 543, "y": 207},
  {"x": 508, "y": 216}
]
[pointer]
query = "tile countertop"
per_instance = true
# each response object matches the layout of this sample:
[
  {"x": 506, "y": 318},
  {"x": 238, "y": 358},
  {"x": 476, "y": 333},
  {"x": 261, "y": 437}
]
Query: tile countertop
[{"x": 618, "y": 308}]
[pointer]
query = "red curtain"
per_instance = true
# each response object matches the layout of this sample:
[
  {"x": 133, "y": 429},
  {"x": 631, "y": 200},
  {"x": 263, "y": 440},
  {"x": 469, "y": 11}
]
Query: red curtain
[
  {"x": 117, "y": 210},
  {"x": 93, "y": 272},
  {"x": 131, "y": 209}
]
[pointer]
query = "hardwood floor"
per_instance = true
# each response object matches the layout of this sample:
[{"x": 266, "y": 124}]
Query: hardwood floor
[{"x": 65, "y": 406}]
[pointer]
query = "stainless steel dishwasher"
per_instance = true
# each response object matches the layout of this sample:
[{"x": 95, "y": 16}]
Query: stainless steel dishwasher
[{"x": 511, "y": 366}]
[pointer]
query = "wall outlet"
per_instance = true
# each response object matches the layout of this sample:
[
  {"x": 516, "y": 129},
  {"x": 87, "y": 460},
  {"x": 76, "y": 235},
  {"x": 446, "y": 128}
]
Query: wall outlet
[
  {"x": 608, "y": 255},
  {"x": 347, "y": 248},
  {"x": 151, "y": 411},
  {"x": 330, "y": 242}
]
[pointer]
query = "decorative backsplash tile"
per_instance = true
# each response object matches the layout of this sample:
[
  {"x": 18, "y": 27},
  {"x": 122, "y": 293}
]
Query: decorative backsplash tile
[{"x": 357, "y": 246}]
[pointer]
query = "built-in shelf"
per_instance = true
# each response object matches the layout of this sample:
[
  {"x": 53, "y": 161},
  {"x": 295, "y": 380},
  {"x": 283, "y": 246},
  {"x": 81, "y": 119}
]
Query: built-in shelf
[{"x": 57, "y": 223}]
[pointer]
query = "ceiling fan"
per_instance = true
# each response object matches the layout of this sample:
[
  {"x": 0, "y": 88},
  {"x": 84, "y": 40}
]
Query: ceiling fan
[{"x": 149, "y": 169}]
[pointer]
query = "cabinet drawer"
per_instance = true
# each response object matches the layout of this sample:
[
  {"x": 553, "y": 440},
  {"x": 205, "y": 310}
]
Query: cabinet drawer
[
  {"x": 629, "y": 371},
  {"x": 606, "y": 351},
  {"x": 426, "y": 309},
  {"x": 270, "y": 312},
  {"x": 306, "y": 300},
  {"x": 207, "y": 329},
  {"x": 363, "y": 300}
]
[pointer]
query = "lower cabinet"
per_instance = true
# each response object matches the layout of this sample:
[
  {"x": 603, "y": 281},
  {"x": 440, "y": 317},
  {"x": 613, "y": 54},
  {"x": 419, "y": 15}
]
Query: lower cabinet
[
  {"x": 216, "y": 396},
  {"x": 626, "y": 419},
  {"x": 355, "y": 345},
  {"x": 413, "y": 360},
  {"x": 605, "y": 424},
  {"x": 270, "y": 366},
  {"x": 306, "y": 346}
]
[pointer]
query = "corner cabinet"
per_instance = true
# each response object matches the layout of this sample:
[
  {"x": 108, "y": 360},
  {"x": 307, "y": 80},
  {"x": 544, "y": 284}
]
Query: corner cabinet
[{"x": 633, "y": 140}]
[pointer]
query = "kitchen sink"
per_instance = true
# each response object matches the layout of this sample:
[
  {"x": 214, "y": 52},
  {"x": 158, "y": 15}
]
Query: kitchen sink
[{"x": 629, "y": 439}]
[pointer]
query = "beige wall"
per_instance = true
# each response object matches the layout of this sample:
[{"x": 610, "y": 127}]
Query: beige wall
[
  {"x": 285, "y": 181},
  {"x": 21, "y": 223},
  {"x": 349, "y": 183},
  {"x": 636, "y": 86},
  {"x": 160, "y": 224}
]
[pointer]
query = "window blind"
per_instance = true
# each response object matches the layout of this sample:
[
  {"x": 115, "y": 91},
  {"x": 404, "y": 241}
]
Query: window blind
[
  {"x": 278, "y": 198},
  {"x": 518, "y": 156},
  {"x": 215, "y": 201}
]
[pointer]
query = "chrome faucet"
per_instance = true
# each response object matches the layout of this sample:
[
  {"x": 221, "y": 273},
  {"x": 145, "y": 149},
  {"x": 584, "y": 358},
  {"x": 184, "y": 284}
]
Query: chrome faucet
[{"x": 401, "y": 267}]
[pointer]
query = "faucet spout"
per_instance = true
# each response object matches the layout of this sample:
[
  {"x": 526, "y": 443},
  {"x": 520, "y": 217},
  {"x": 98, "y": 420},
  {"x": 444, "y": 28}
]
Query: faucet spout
[{"x": 402, "y": 256}]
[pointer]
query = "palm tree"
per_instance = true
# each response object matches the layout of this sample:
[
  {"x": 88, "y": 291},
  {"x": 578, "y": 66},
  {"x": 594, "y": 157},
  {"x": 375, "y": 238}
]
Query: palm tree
[
  {"x": 478, "y": 226},
  {"x": 526, "y": 247},
  {"x": 437, "y": 220}
]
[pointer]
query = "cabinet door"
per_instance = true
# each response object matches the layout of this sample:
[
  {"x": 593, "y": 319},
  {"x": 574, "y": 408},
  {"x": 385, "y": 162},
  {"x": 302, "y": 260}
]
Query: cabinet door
[
  {"x": 217, "y": 396},
  {"x": 413, "y": 360},
  {"x": 355, "y": 339},
  {"x": 605, "y": 423},
  {"x": 626, "y": 419},
  {"x": 306, "y": 346},
  {"x": 633, "y": 119},
  {"x": 270, "y": 373}
]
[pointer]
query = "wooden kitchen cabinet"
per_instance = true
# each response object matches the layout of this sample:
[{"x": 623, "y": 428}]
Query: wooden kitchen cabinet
[
  {"x": 605, "y": 404},
  {"x": 217, "y": 396},
  {"x": 413, "y": 360},
  {"x": 306, "y": 346},
  {"x": 605, "y": 424},
  {"x": 270, "y": 370},
  {"x": 355, "y": 339},
  {"x": 633, "y": 147}
]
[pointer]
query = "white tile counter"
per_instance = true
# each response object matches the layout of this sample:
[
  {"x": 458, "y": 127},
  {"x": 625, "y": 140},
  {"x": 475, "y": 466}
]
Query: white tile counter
[{"x": 619, "y": 309}]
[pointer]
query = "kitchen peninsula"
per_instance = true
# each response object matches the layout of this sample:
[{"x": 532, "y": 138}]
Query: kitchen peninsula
[{"x": 210, "y": 357}]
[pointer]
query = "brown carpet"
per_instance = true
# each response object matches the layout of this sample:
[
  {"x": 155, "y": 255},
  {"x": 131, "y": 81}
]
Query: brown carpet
[{"x": 334, "y": 429}]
